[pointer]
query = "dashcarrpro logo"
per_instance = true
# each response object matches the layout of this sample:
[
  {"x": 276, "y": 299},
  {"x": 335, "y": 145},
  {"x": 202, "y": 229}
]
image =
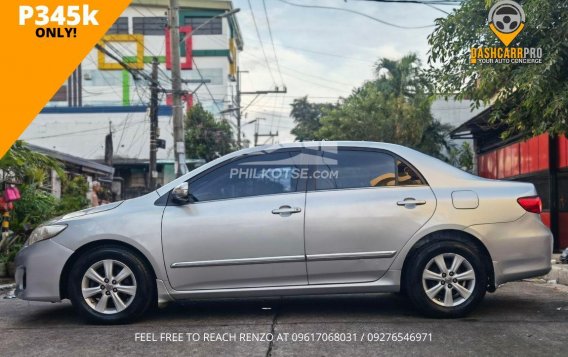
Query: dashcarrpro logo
[{"x": 506, "y": 20}]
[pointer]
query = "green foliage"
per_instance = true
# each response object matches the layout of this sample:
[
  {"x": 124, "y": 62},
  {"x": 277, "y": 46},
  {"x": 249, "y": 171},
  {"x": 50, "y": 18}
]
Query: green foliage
[
  {"x": 466, "y": 157},
  {"x": 13, "y": 251},
  {"x": 4, "y": 258},
  {"x": 205, "y": 137},
  {"x": 35, "y": 207},
  {"x": 307, "y": 118},
  {"x": 28, "y": 166},
  {"x": 394, "y": 108},
  {"x": 529, "y": 98},
  {"x": 461, "y": 157},
  {"x": 73, "y": 195}
]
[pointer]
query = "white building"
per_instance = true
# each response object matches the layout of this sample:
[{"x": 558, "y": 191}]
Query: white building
[{"x": 101, "y": 96}]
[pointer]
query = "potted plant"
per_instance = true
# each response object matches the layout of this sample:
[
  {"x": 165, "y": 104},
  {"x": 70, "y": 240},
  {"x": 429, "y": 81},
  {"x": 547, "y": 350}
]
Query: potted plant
[
  {"x": 11, "y": 265},
  {"x": 3, "y": 265}
]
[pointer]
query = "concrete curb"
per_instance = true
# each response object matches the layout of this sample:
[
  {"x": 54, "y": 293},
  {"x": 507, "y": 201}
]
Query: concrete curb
[
  {"x": 7, "y": 287},
  {"x": 559, "y": 273}
]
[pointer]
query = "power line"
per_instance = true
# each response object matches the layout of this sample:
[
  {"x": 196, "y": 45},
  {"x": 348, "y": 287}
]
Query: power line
[
  {"x": 206, "y": 86},
  {"x": 357, "y": 13},
  {"x": 436, "y": 2},
  {"x": 78, "y": 132},
  {"x": 122, "y": 133},
  {"x": 288, "y": 69},
  {"x": 261, "y": 43},
  {"x": 303, "y": 79},
  {"x": 324, "y": 53},
  {"x": 272, "y": 41}
]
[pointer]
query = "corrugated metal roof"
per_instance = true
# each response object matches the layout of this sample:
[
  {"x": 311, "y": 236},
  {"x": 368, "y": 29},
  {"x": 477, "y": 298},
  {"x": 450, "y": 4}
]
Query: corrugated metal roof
[{"x": 103, "y": 169}]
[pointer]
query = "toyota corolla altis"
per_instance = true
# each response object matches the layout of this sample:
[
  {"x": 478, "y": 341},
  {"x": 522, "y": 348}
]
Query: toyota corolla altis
[{"x": 302, "y": 218}]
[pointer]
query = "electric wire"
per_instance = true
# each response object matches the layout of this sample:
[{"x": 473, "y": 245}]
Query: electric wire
[
  {"x": 357, "y": 13},
  {"x": 261, "y": 43}
]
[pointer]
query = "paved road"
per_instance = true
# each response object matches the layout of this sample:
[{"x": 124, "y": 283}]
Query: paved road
[{"x": 520, "y": 319}]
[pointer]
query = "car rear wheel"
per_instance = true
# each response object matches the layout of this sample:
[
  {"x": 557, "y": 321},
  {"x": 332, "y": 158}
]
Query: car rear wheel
[
  {"x": 111, "y": 285},
  {"x": 448, "y": 279}
]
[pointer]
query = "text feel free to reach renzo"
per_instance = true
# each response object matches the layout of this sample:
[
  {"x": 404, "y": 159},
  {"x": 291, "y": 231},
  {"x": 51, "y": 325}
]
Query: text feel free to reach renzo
[{"x": 377, "y": 337}]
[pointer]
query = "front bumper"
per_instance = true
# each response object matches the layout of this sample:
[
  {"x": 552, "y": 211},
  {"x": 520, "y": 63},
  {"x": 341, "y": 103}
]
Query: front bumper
[
  {"x": 521, "y": 249},
  {"x": 38, "y": 270}
]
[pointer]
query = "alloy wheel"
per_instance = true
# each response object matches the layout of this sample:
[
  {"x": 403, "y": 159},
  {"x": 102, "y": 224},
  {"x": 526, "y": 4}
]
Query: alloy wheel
[
  {"x": 108, "y": 286},
  {"x": 448, "y": 279}
]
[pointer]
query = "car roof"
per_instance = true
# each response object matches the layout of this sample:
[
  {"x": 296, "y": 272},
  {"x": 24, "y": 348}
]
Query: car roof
[
  {"x": 324, "y": 143},
  {"x": 435, "y": 171}
]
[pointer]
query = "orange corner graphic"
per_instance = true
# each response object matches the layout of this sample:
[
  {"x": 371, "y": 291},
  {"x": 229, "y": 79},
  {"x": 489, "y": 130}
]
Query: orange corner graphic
[{"x": 35, "y": 67}]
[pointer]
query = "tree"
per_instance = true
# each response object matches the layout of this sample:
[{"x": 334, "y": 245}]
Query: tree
[
  {"x": 403, "y": 78},
  {"x": 466, "y": 157},
  {"x": 28, "y": 166},
  {"x": 73, "y": 195},
  {"x": 205, "y": 137},
  {"x": 461, "y": 157},
  {"x": 30, "y": 170},
  {"x": 528, "y": 98},
  {"x": 307, "y": 118},
  {"x": 394, "y": 108}
]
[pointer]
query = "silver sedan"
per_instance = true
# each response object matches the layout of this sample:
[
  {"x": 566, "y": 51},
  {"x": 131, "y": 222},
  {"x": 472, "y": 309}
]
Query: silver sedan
[{"x": 302, "y": 218}]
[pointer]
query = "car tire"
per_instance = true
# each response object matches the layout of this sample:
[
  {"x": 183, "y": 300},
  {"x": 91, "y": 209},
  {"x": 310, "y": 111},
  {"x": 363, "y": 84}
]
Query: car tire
[
  {"x": 450, "y": 293},
  {"x": 101, "y": 299}
]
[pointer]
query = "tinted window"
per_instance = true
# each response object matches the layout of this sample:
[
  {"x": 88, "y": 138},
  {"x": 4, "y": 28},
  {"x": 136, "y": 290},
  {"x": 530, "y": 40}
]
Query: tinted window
[
  {"x": 406, "y": 175},
  {"x": 355, "y": 169},
  {"x": 265, "y": 174},
  {"x": 120, "y": 26},
  {"x": 149, "y": 25},
  {"x": 213, "y": 27}
]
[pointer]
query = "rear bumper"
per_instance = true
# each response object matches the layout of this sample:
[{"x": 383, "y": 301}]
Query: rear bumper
[
  {"x": 38, "y": 270},
  {"x": 519, "y": 250}
]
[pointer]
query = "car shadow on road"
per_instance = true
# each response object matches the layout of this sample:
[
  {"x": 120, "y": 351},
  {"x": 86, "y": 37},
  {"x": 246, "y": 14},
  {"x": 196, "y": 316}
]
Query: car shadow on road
[{"x": 362, "y": 308}]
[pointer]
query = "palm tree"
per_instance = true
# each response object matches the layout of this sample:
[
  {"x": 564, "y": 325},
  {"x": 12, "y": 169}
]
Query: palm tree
[
  {"x": 405, "y": 78},
  {"x": 402, "y": 78}
]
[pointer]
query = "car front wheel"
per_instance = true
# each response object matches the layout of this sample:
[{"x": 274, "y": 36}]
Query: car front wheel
[
  {"x": 448, "y": 279},
  {"x": 110, "y": 285}
]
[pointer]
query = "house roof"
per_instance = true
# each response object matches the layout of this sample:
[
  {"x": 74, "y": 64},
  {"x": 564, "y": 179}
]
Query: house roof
[
  {"x": 472, "y": 126},
  {"x": 91, "y": 166}
]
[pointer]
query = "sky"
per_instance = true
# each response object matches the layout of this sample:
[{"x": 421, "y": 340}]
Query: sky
[{"x": 322, "y": 53}]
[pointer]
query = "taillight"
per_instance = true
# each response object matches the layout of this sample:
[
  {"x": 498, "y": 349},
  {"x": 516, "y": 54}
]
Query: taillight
[{"x": 531, "y": 204}]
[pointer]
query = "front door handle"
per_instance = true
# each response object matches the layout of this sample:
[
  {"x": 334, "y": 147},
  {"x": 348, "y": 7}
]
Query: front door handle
[
  {"x": 410, "y": 202},
  {"x": 286, "y": 210}
]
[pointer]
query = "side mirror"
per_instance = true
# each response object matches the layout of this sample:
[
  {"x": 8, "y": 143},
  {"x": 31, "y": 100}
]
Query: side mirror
[{"x": 180, "y": 194}]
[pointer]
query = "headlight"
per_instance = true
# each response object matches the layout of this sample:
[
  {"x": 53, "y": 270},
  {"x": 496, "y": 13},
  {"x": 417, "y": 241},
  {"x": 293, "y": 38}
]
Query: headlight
[{"x": 45, "y": 232}]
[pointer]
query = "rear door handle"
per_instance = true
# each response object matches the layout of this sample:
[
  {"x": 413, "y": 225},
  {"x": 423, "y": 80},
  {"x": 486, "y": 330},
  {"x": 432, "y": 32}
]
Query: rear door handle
[
  {"x": 286, "y": 210},
  {"x": 411, "y": 202}
]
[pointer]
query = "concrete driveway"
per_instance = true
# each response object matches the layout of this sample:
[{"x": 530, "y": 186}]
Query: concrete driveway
[{"x": 524, "y": 318}]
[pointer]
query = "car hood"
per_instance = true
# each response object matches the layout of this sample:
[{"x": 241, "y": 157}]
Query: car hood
[{"x": 92, "y": 210}]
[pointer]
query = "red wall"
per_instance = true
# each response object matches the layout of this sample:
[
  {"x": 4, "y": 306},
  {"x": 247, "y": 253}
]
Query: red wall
[
  {"x": 562, "y": 151},
  {"x": 517, "y": 158},
  {"x": 487, "y": 165},
  {"x": 534, "y": 154}
]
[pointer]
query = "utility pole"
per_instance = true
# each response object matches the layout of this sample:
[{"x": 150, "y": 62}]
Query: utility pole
[
  {"x": 240, "y": 110},
  {"x": 179, "y": 143},
  {"x": 258, "y": 135},
  {"x": 238, "y": 99},
  {"x": 153, "y": 124}
]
